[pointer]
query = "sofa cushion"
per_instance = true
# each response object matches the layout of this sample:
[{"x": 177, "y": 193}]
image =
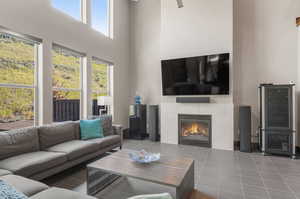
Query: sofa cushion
[
  {"x": 31, "y": 163},
  {"x": 19, "y": 141},
  {"x": 74, "y": 149},
  {"x": 106, "y": 141},
  {"x": 54, "y": 134},
  {"x": 9, "y": 192},
  {"x": 107, "y": 125},
  {"x": 106, "y": 121},
  {"x": 60, "y": 194},
  {"x": 4, "y": 172},
  {"x": 24, "y": 185},
  {"x": 77, "y": 129}
]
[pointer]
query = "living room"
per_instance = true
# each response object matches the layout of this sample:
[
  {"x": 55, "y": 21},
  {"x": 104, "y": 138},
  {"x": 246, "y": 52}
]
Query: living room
[{"x": 66, "y": 65}]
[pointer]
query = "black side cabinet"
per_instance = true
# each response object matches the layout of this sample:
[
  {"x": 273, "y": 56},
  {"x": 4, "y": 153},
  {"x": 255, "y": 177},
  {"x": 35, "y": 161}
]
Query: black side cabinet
[
  {"x": 277, "y": 119},
  {"x": 138, "y": 122}
]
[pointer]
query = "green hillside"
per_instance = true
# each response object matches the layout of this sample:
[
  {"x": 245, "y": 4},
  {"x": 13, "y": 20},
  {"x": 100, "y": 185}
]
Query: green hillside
[{"x": 17, "y": 67}]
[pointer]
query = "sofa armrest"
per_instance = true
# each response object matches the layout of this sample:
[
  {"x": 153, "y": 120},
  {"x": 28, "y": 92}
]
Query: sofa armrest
[{"x": 118, "y": 130}]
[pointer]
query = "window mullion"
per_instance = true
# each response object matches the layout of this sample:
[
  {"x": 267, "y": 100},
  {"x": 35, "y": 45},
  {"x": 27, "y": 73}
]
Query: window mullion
[
  {"x": 108, "y": 80},
  {"x": 110, "y": 19},
  {"x": 67, "y": 89},
  {"x": 16, "y": 86},
  {"x": 36, "y": 80},
  {"x": 81, "y": 88}
]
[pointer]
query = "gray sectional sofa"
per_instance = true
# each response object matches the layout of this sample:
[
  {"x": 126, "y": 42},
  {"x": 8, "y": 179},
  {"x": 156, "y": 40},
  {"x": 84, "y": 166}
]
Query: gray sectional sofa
[
  {"x": 39, "y": 152},
  {"x": 37, "y": 190}
]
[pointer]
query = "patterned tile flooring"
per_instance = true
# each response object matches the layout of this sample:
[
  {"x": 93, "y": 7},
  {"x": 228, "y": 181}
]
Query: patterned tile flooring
[{"x": 218, "y": 174}]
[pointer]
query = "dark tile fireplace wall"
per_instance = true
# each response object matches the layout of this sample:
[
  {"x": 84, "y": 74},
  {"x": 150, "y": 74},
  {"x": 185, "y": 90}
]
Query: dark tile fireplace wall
[{"x": 195, "y": 123}]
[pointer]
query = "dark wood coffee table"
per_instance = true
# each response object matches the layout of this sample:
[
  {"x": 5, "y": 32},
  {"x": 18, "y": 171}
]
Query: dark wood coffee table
[{"x": 176, "y": 173}]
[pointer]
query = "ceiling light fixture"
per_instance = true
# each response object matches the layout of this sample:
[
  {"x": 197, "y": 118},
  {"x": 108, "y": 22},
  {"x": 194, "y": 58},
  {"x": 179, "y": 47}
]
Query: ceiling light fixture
[{"x": 180, "y": 3}]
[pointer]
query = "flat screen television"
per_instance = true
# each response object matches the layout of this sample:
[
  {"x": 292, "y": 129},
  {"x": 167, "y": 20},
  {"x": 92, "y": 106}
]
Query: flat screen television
[{"x": 204, "y": 75}]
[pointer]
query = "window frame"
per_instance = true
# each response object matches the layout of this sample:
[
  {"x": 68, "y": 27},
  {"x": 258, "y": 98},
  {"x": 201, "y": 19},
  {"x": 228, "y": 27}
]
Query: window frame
[
  {"x": 81, "y": 56},
  {"x": 37, "y": 44},
  {"x": 109, "y": 16},
  {"x": 86, "y": 16},
  {"x": 110, "y": 70}
]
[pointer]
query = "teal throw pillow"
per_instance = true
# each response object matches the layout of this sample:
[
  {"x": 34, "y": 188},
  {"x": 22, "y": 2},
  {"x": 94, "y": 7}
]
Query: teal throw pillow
[
  {"x": 91, "y": 129},
  {"x": 9, "y": 192}
]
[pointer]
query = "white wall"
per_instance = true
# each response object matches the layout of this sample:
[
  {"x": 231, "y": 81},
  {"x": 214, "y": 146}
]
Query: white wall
[
  {"x": 265, "y": 47},
  {"x": 298, "y": 87},
  {"x": 159, "y": 30},
  {"x": 200, "y": 27},
  {"x": 193, "y": 31},
  {"x": 145, "y": 34},
  {"x": 38, "y": 18},
  {"x": 263, "y": 33}
]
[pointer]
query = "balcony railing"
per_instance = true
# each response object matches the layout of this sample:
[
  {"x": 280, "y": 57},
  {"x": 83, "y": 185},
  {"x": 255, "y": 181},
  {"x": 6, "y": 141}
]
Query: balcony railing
[
  {"x": 63, "y": 110},
  {"x": 68, "y": 110}
]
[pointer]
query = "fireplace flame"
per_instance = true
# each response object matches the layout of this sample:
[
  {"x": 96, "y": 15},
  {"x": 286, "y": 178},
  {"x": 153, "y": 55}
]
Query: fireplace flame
[{"x": 195, "y": 129}]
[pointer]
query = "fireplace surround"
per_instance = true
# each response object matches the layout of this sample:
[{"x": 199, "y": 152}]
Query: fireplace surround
[
  {"x": 222, "y": 120},
  {"x": 194, "y": 130}
]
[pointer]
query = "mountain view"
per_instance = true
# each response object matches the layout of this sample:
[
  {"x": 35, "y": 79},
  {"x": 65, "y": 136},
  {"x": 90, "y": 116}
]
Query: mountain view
[{"x": 17, "y": 66}]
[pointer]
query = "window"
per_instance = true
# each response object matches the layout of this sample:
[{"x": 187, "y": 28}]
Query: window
[
  {"x": 18, "y": 81},
  {"x": 100, "y": 15},
  {"x": 70, "y": 7},
  {"x": 67, "y": 84},
  {"x": 101, "y": 82}
]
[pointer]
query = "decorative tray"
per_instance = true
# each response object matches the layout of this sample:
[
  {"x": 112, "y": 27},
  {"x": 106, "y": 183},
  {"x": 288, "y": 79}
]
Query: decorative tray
[{"x": 144, "y": 156}]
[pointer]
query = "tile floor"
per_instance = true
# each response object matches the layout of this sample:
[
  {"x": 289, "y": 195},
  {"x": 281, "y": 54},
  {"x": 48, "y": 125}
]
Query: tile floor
[{"x": 218, "y": 174}]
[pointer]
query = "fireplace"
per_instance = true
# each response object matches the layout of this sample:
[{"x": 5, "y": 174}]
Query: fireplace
[{"x": 194, "y": 130}]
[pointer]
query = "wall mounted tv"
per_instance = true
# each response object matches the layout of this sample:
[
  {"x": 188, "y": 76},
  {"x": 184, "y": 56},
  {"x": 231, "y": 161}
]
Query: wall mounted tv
[{"x": 204, "y": 75}]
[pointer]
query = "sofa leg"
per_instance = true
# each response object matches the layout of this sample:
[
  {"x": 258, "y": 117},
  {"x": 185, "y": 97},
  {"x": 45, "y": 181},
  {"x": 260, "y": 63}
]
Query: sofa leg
[{"x": 120, "y": 147}]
